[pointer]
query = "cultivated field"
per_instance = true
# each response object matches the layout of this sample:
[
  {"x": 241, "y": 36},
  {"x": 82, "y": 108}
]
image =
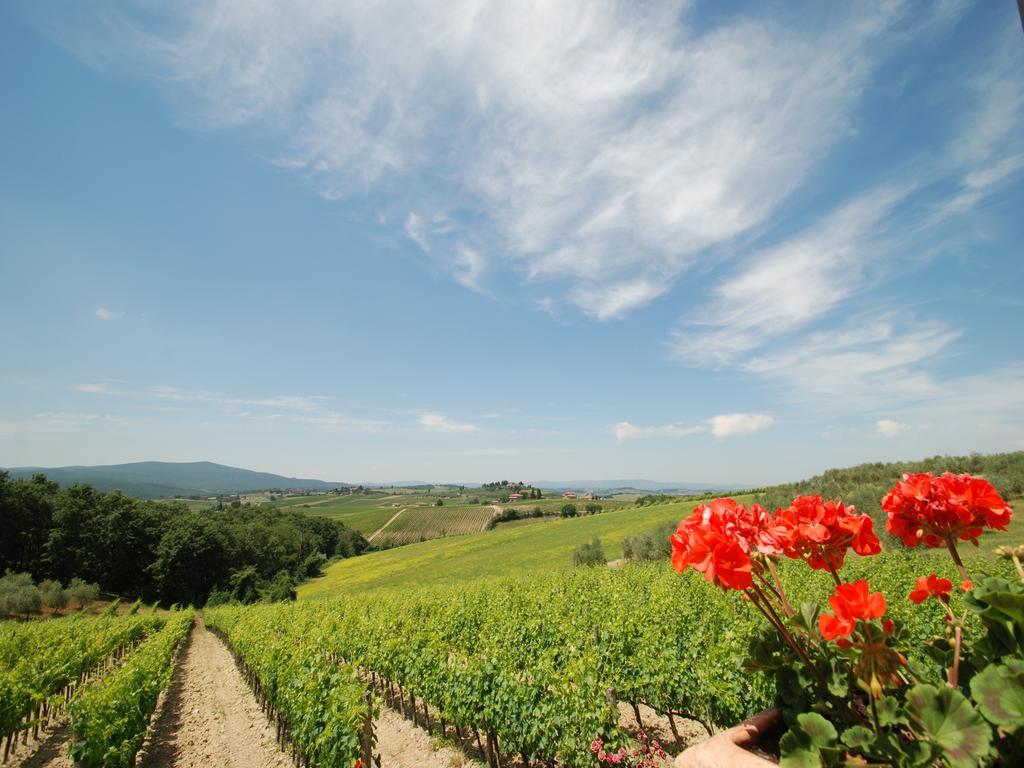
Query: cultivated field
[{"x": 503, "y": 551}]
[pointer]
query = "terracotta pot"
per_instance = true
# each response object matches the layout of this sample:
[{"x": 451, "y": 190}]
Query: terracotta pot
[{"x": 729, "y": 749}]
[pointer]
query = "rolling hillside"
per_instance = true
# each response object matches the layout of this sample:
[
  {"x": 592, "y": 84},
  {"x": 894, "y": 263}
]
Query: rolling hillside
[
  {"x": 527, "y": 549},
  {"x": 157, "y": 479}
]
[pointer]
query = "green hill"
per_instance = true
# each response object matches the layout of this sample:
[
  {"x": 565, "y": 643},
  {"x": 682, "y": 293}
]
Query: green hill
[
  {"x": 547, "y": 546},
  {"x": 158, "y": 479}
]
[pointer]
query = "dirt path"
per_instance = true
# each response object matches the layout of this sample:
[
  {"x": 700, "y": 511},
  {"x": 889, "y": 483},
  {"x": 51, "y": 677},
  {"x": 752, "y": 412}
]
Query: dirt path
[
  {"x": 380, "y": 530},
  {"x": 209, "y": 717},
  {"x": 404, "y": 745},
  {"x": 497, "y": 511}
]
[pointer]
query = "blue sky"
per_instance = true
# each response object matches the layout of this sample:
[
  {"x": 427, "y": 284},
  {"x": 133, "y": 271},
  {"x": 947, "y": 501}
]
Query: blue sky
[{"x": 681, "y": 241}]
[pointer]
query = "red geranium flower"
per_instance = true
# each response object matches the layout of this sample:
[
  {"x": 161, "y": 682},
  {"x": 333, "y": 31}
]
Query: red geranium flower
[
  {"x": 718, "y": 538},
  {"x": 822, "y": 531},
  {"x": 931, "y": 586},
  {"x": 850, "y": 602},
  {"x": 923, "y": 509}
]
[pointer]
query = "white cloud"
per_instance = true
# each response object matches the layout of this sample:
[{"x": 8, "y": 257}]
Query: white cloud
[
  {"x": 625, "y": 431},
  {"x": 891, "y": 428},
  {"x": 790, "y": 286},
  {"x": 107, "y": 314},
  {"x": 435, "y": 422},
  {"x": 731, "y": 424},
  {"x": 725, "y": 425},
  {"x": 601, "y": 146}
]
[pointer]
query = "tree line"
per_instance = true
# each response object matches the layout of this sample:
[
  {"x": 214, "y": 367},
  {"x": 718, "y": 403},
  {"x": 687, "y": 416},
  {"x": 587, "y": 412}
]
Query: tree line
[{"x": 162, "y": 550}]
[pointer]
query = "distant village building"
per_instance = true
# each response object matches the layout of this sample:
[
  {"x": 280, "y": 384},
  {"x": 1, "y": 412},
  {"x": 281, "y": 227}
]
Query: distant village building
[
  {"x": 568, "y": 495},
  {"x": 515, "y": 496},
  {"x": 590, "y": 497}
]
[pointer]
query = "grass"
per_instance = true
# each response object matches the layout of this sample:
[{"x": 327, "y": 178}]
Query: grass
[
  {"x": 501, "y": 552},
  {"x": 514, "y": 549}
]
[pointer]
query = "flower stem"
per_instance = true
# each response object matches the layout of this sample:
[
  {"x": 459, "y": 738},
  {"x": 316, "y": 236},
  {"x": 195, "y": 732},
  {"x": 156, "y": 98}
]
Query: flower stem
[
  {"x": 756, "y": 597},
  {"x": 954, "y": 671},
  {"x": 956, "y": 559},
  {"x": 833, "y": 571},
  {"x": 782, "y": 593}
]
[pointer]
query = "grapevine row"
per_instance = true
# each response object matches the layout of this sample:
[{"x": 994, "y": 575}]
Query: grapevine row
[
  {"x": 318, "y": 703},
  {"x": 539, "y": 665},
  {"x": 110, "y": 718},
  {"x": 43, "y": 664}
]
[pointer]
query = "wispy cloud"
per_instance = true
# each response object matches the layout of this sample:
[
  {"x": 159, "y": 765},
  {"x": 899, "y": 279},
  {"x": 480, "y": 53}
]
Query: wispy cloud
[
  {"x": 624, "y": 431},
  {"x": 108, "y": 314},
  {"x": 598, "y": 146},
  {"x": 724, "y": 425},
  {"x": 731, "y": 424},
  {"x": 891, "y": 428},
  {"x": 790, "y": 286},
  {"x": 436, "y": 422}
]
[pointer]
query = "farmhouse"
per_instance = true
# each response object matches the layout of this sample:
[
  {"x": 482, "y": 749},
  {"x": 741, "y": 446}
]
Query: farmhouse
[{"x": 568, "y": 495}]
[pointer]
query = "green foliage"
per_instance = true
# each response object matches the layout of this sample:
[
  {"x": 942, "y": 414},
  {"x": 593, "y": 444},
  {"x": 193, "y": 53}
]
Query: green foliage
[
  {"x": 653, "y": 545},
  {"x": 79, "y": 592},
  {"x": 37, "y": 659},
  {"x": 865, "y": 485},
  {"x": 589, "y": 554},
  {"x": 53, "y": 594},
  {"x": 949, "y": 724},
  {"x": 156, "y": 550},
  {"x": 592, "y": 508},
  {"x": 19, "y": 596},
  {"x": 292, "y": 652},
  {"x": 110, "y": 718},
  {"x": 569, "y": 510}
]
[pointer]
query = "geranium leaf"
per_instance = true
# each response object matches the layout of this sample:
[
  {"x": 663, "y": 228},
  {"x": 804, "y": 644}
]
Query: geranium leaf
[
  {"x": 889, "y": 713},
  {"x": 999, "y": 692},
  {"x": 808, "y": 743},
  {"x": 946, "y": 718},
  {"x": 858, "y": 737}
]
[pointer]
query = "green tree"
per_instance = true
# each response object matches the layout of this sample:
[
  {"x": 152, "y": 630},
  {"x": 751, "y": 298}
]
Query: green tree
[
  {"x": 191, "y": 559},
  {"x": 589, "y": 554},
  {"x": 569, "y": 510},
  {"x": 53, "y": 594}
]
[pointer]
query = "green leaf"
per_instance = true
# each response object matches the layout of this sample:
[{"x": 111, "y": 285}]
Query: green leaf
[
  {"x": 889, "y": 713},
  {"x": 803, "y": 745},
  {"x": 946, "y": 718},
  {"x": 858, "y": 737},
  {"x": 999, "y": 692}
]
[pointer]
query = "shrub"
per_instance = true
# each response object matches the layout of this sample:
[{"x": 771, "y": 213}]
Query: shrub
[
  {"x": 568, "y": 510},
  {"x": 53, "y": 594},
  {"x": 82, "y": 593},
  {"x": 589, "y": 554}
]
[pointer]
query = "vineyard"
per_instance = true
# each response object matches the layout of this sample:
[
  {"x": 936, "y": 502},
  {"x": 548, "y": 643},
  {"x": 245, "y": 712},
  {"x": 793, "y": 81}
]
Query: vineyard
[
  {"x": 103, "y": 672},
  {"x": 527, "y": 670},
  {"x": 422, "y": 523}
]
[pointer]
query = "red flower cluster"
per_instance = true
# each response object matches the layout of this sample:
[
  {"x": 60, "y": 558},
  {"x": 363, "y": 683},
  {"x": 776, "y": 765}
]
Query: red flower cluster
[
  {"x": 850, "y": 603},
  {"x": 923, "y": 509},
  {"x": 717, "y": 539},
  {"x": 822, "y": 531},
  {"x": 931, "y": 586}
]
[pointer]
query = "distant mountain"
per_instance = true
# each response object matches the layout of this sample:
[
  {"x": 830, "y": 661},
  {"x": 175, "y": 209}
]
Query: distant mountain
[
  {"x": 635, "y": 484},
  {"x": 156, "y": 479}
]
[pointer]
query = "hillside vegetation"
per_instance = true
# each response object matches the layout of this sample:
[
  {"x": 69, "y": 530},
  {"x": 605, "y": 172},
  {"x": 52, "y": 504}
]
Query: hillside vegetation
[
  {"x": 865, "y": 484},
  {"x": 160, "y": 550},
  {"x": 159, "y": 479},
  {"x": 528, "y": 549}
]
